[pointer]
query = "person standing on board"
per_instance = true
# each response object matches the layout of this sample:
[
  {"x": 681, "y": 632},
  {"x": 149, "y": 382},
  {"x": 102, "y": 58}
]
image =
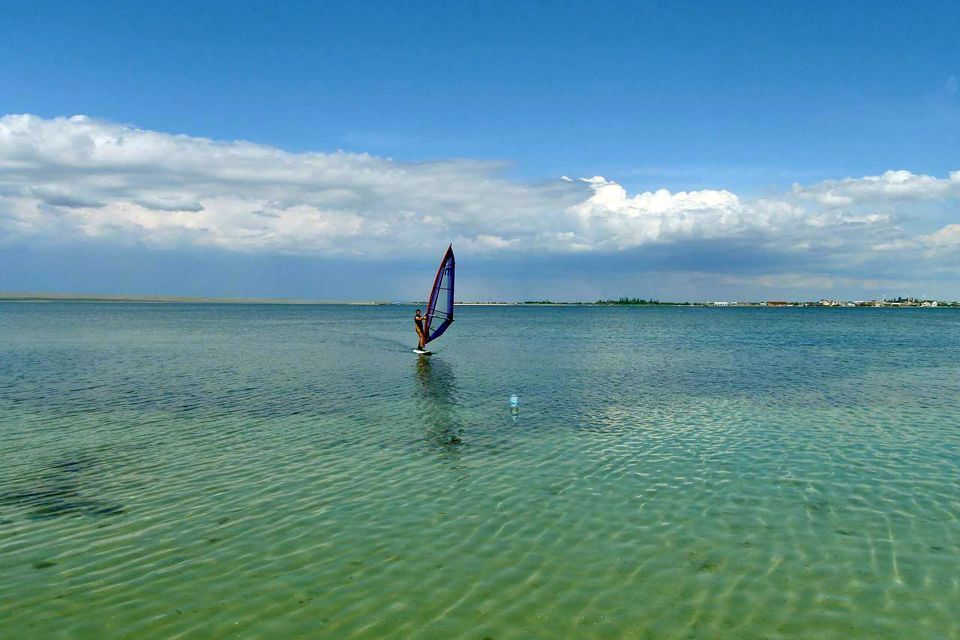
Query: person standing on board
[{"x": 421, "y": 332}]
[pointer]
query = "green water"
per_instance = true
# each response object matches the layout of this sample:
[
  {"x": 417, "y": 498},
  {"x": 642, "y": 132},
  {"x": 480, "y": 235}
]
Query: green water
[{"x": 205, "y": 471}]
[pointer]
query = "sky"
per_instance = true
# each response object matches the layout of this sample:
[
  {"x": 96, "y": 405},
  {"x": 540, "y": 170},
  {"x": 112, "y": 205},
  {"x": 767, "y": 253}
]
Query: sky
[{"x": 570, "y": 151}]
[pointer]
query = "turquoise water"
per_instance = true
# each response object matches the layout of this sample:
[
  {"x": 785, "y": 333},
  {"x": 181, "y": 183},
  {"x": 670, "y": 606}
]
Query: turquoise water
[{"x": 205, "y": 471}]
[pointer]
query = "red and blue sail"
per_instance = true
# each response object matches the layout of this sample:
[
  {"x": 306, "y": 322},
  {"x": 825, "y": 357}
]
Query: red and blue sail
[{"x": 440, "y": 302}]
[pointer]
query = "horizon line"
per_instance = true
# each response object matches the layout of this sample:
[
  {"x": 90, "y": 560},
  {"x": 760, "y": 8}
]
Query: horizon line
[{"x": 14, "y": 296}]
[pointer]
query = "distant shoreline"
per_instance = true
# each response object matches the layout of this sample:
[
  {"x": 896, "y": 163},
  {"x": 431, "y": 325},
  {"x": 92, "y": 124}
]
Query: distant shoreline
[
  {"x": 121, "y": 299},
  {"x": 130, "y": 299}
]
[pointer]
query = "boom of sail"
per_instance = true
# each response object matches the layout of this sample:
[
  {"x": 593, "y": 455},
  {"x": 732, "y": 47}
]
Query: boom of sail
[{"x": 440, "y": 302}]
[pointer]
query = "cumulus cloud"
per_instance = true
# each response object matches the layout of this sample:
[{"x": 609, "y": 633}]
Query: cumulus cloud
[
  {"x": 611, "y": 219},
  {"x": 77, "y": 176},
  {"x": 947, "y": 237},
  {"x": 890, "y": 186},
  {"x": 69, "y": 178}
]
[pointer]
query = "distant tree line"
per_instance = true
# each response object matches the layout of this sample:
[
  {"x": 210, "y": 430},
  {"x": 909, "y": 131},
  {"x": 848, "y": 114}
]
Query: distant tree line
[
  {"x": 633, "y": 301},
  {"x": 624, "y": 301}
]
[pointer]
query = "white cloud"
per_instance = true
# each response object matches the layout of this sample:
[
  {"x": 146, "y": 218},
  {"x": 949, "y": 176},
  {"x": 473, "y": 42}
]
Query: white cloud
[
  {"x": 890, "y": 186},
  {"x": 611, "y": 219},
  {"x": 68, "y": 178},
  {"x": 77, "y": 176},
  {"x": 947, "y": 237}
]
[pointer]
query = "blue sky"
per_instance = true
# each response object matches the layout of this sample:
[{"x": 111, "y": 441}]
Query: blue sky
[{"x": 495, "y": 102}]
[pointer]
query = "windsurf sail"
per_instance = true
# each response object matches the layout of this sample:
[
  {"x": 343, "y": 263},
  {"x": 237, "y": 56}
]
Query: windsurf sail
[{"x": 440, "y": 302}]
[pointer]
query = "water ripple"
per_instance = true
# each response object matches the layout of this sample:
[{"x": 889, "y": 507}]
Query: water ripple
[{"x": 213, "y": 471}]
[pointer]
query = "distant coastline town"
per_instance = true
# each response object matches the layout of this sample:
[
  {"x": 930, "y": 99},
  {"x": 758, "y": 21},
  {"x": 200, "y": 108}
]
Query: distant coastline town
[{"x": 824, "y": 302}]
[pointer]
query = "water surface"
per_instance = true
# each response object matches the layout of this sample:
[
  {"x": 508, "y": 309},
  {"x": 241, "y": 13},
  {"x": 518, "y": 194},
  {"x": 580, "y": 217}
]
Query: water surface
[{"x": 213, "y": 471}]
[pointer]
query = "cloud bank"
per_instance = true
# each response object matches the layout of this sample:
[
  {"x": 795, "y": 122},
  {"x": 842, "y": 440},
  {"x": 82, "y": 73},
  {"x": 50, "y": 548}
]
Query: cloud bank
[
  {"x": 76, "y": 179},
  {"x": 890, "y": 186}
]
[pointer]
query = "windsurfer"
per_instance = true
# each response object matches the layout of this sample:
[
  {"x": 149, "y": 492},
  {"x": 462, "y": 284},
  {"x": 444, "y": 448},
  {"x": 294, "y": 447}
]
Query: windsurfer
[
  {"x": 421, "y": 332},
  {"x": 440, "y": 308}
]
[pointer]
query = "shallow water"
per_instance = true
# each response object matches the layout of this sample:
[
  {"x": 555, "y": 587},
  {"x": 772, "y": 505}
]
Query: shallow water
[{"x": 207, "y": 471}]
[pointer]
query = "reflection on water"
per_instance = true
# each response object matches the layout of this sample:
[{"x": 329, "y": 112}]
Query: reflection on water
[{"x": 437, "y": 402}]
